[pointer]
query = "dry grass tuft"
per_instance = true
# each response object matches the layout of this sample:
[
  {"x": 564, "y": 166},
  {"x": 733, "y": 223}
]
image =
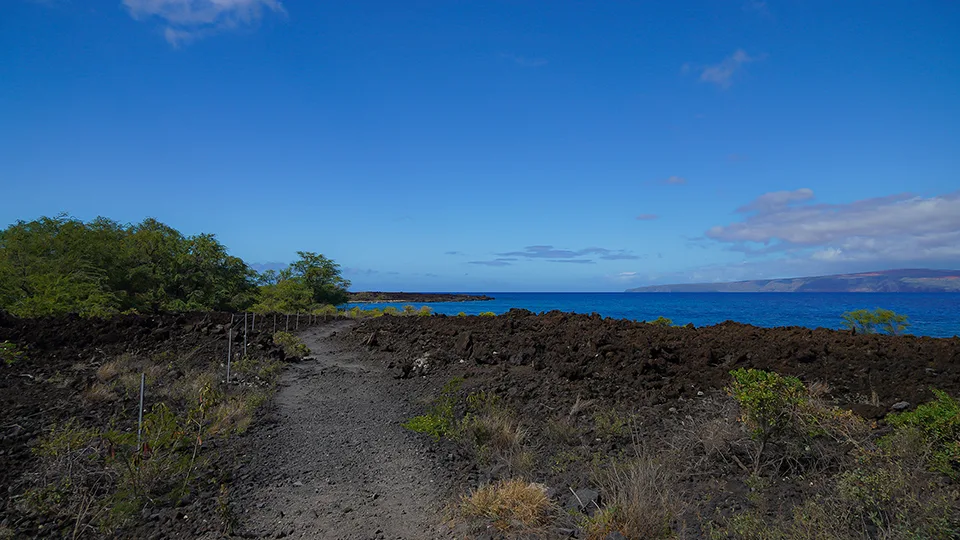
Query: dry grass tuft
[
  {"x": 100, "y": 393},
  {"x": 231, "y": 416},
  {"x": 110, "y": 370},
  {"x": 639, "y": 499},
  {"x": 498, "y": 439},
  {"x": 580, "y": 406},
  {"x": 511, "y": 505}
]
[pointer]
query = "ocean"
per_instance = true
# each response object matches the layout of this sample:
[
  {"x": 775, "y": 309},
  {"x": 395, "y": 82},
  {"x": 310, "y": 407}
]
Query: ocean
[{"x": 930, "y": 314}]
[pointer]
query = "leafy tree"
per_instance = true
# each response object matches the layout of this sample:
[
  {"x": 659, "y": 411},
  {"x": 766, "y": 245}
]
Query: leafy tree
[
  {"x": 877, "y": 321},
  {"x": 323, "y": 276},
  {"x": 286, "y": 296},
  {"x": 62, "y": 265}
]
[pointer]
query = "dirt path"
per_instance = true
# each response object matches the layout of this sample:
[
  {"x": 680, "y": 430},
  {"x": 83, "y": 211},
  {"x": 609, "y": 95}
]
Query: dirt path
[{"x": 332, "y": 460}]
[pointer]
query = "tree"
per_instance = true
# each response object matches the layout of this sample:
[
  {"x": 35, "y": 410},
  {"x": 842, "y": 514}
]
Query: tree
[
  {"x": 322, "y": 275},
  {"x": 879, "y": 320},
  {"x": 285, "y": 296},
  {"x": 60, "y": 265}
]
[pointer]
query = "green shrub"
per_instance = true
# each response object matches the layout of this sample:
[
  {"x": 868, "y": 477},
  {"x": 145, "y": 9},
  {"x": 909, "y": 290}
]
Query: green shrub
[
  {"x": 488, "y": 314},
  {"x": 877, "y": 321},
  {"x": 610, "y": 424},
  {"x": 10, "y": 353},
  {"x": 409, "y": 310},
  {"x": 292, "y": 346},
  {"x": 769, "y": 403},
  {"x": 938, "y": 423},
  {"x": 439, "y": 419},
  {"x": 391, "y": 310},
  {"x": 662, "y": 321},
  {"x": 425, "y": 311}
]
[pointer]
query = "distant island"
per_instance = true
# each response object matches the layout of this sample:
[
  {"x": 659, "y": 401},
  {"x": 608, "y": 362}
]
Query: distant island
[
  {"x": 905, "y": 280},
  {"x": 376, "y": 296}
]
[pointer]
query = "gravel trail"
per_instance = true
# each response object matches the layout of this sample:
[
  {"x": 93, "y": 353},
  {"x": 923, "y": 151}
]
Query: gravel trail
[{"x": 332, "y": 461}]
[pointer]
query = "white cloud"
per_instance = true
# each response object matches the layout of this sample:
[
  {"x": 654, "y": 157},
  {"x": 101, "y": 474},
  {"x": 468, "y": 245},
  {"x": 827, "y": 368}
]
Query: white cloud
[
  {"x": 895, "y": 228},
  {"x": 722, "y": 74},
  {"x": 775, "y": 199},
  {"x": 186, "y": 20}
]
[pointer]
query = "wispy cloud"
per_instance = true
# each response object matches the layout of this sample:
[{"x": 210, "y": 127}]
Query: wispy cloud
[
  {"x": 187, "y": 20},
  {"x": 549, "y": 252},
  {"x": 647, "y": 217},
  {"x": 572, "y": 261},
  {"x": 776, "y": 199},
  {"x": 453, "y": 253},
  {"x": 896, "y": 228},
  {"x": 722, "y": 74},
  {"x": 674, "y": 181},
  {"x": 503, "y": 261},
  {"x": 524, "y": 60}
]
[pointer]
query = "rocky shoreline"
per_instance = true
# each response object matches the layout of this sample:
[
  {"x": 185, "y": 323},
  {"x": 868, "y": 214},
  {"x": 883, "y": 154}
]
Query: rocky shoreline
[{"x": 371, "y": 297}]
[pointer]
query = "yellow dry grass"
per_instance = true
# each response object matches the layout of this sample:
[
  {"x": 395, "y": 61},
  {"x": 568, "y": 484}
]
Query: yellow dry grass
[
  {"x": 100, "y": 393},
  {"x": 640, "y": 500},
  {"x": 511, "y": 505},
  {"x": 231, "y": 416},
  {"x": 109, "y": 370}
]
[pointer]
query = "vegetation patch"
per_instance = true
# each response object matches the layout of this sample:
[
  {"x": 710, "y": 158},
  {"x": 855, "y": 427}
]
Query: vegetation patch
[
  {"x": 439, "y": 420},
  {"x": 292, "y": 346},
  {"x": 514, "y": 505},
  {"x": 10, "y": 354},
  {"x": 878, "y": 321}
]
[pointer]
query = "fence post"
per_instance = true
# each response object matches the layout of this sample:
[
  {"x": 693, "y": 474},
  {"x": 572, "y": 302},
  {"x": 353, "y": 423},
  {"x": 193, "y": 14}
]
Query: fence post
[
  {"x": 244, "y": 333},
  {"x": 274, "y": 322},
  {"x": 143, "y": 380},
  {"x": 286, "y": 327},
  {"x": 253, "y": 322},
  {"x": 229, "y": 347},
  {"x": 298, "y": 320}
]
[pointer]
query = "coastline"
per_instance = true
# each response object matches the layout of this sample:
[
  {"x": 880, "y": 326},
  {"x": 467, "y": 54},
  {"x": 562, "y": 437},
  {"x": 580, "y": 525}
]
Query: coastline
[{"x": 378, "y": 297}]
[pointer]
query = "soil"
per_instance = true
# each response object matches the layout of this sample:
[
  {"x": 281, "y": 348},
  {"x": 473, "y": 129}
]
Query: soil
[
  {"x": 557, "y": 356},
  {"x": 329, "y": 457},
  {"x": 421, "y": 298},
  {"x": 60, "y": 359},
  {"x": 332, "y": 461}
]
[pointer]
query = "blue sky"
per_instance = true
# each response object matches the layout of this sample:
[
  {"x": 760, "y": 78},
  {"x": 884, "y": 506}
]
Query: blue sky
[{"x": 498, "y": 146}]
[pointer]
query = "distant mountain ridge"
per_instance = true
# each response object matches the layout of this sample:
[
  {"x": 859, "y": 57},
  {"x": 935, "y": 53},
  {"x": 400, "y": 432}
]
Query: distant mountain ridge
[{"x": 903, "y": 280}]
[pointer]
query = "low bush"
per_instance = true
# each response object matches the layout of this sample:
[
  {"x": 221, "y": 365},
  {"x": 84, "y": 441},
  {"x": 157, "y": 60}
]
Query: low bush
[
  {"x": 938, "y": 425},
  {"x": 769, "y": 403},
  {"x": 10, "y": 354},
  {"x": 439, "y": 420},
  {"x": 662, "y": 321},
  {"x": 292, "y": 346}
]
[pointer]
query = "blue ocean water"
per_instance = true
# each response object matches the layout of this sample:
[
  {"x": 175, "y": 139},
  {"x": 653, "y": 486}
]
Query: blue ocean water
[{"x": 933, "y": 314}]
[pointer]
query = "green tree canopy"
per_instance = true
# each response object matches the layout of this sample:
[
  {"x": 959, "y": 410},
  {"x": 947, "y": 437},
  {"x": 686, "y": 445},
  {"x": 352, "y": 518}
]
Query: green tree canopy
[
  {"x": 307, "y": 284},
  {"x": 60, "y": 265}
]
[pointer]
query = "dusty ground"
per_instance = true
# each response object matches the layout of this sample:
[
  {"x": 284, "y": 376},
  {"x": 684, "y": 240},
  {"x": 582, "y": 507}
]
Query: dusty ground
[{"x": 332, "y": 461}]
